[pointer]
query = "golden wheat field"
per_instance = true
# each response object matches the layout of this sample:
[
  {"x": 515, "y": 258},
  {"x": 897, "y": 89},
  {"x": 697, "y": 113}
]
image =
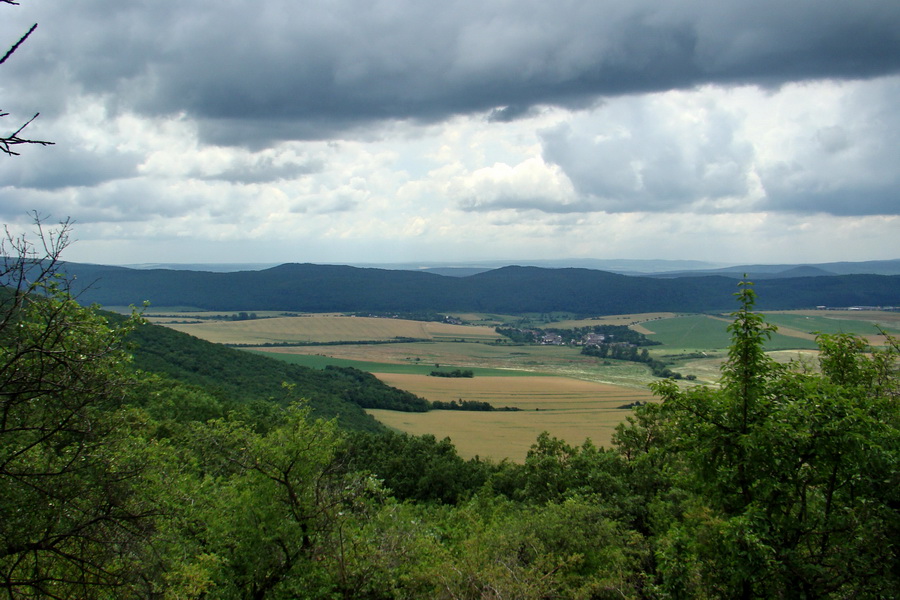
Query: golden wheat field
[
  {"x": 328, "y": 328},
  {"x": 569, "y": 409}
]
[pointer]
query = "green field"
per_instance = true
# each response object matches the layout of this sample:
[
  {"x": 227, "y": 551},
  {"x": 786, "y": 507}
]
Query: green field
[
  {"x": 836, "y": 322},
  {"x": 320, "y": 361},
  {"x": 703, "y": 332},
  {"x": 494, "y": 359}
]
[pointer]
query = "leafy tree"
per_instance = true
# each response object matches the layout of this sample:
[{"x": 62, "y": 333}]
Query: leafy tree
[
  {"x": 69, "y": 517},
  {"x": 268, "y": 512},
  {"x": 788, "y": 479},
  {"x": 415, "y": 468}
]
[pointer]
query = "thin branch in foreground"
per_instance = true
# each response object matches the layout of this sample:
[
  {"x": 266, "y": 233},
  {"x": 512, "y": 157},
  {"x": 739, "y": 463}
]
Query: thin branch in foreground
[
  {"x": 17, "y": 44},
  {"x": 14, "y": 139}
]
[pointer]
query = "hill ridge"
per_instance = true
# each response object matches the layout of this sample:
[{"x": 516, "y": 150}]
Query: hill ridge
[{"x": 513, "y": 289}]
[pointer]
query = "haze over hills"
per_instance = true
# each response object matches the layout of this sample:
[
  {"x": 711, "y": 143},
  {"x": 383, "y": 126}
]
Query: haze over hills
[
  {"x": 872, "y": 267},
  {"x": 511, "y": 289},
  {"x": 659, "y": 268}
]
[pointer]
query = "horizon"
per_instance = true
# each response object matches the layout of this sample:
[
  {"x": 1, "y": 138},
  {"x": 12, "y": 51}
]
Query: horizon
[{"x": 625, "y": 266}]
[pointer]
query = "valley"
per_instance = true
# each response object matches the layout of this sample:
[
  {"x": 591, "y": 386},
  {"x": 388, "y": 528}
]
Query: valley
[{"x": 555, "y": 387}]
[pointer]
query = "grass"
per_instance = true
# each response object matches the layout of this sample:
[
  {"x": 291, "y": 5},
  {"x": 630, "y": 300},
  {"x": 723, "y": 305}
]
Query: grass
[
  {"x": 489, "y": 359},
  {"x": 320, "y": 361},
  {"x": 865, "y": 323},
  {"x": 704, "y": 332}
]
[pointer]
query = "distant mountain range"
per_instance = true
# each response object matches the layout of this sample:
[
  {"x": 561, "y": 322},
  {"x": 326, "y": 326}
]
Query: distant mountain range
[
  {"x": 510, "y": 289},
  {"x": 645, "y": 268},
  {"x": 872, "y": 267}
]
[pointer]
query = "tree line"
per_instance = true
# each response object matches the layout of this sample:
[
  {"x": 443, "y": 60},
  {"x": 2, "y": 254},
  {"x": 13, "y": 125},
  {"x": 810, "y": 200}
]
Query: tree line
[{"x": 615, "y": 351}]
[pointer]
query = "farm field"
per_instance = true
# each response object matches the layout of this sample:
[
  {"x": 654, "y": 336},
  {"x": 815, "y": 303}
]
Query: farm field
[
  {"x": 704, "y": 332},
  {"x": 577, "y": 395},
  {"x": 421, "y": 358},
  {"x": 635, "y": 321},
  {"x": 569, "y": 409},
  {"x": 858, "y": 322},
  {"x": 328, "y": 328}
]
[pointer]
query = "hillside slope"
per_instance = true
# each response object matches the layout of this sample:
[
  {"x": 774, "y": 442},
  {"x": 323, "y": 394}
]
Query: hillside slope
[{"x": 242, "y": 377}]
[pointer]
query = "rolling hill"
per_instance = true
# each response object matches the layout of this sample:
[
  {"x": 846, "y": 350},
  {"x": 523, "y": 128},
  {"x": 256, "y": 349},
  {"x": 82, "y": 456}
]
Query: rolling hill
[{"x": 512, "y": 289}]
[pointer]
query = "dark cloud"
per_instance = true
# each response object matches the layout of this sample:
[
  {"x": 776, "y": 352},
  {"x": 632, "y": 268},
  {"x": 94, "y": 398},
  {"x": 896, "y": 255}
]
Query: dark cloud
[
  {"x": 790, "y": 189},
  {"x": 506, "y": 114},
  {"x": 845, "y": 202},
  {"x": 276, "y": 69},
  {"x": 265, "y": 170},
  {"x": 125, "y": 201},
  {"x": 60, "y": 166}
]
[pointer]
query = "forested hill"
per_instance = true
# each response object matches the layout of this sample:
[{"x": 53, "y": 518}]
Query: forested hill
[
  {"x": 308, "y": 287},
  {"x": 240, "y": 378}
]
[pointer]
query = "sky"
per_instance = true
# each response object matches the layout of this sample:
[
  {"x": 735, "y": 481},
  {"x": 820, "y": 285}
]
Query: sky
[{"x": 379, "y": 131}]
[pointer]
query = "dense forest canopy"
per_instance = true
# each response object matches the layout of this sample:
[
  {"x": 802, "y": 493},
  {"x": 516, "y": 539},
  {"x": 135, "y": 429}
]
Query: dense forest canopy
[
  {"x": 508, "y": 290},
  {"x": 117, "y": 481}
]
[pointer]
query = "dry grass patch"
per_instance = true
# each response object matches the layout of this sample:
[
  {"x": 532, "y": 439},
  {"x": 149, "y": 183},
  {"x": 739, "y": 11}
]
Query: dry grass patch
[
  {"x": 569, "y": 409},
  {"x": 327, "y": 328}
]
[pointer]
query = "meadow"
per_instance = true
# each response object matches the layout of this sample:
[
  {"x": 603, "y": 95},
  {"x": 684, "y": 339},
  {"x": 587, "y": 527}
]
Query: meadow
[
  {"x": 557, "y": 389},
  {"x": 858, "y": 322}
]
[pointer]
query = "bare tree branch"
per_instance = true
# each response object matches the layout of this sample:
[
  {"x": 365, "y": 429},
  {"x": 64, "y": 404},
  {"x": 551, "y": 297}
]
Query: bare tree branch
[
  {"x": 17, "y": 44},
  {"x": 14, "y": 139},
  {"x": 7, "y": 142}
]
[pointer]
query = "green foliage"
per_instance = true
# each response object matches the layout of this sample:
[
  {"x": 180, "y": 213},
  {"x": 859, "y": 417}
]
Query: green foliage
[
  {"x": 69, "y": 514},
  {"x": 519, "y": 336},
  {"x": 494, "y": 548},
  {"x": 367, "y": 391},
  {"x": 790, "y": 476},
  {"x": 454, "y": 373},
  {"x": 274, "y": 505},
  {"x": 417, "y": 468},
  {"x": 472, "y": 405},
  {"x": 243, "y": 378},
  {"x": 631, "y": 353}
]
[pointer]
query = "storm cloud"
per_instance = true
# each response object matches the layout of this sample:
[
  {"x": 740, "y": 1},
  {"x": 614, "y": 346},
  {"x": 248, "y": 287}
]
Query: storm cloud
[
  {"x": 278, "y": 71},
  {"x": 351, "y": 123}
]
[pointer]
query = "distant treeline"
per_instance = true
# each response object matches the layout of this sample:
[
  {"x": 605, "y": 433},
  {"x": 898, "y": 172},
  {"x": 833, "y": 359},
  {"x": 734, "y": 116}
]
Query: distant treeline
[
  {"x": 631, "y": 353},
  {"x": 473, "y": 405},
  {"x": 418, "y": 315},
  {"x": 367, "y": 391},
  {"x": 454, "y": 373}
]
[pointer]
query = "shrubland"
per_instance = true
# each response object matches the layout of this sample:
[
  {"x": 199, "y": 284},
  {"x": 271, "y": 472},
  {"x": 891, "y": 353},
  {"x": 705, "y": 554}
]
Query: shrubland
[{"x": 128, "y": 476}]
